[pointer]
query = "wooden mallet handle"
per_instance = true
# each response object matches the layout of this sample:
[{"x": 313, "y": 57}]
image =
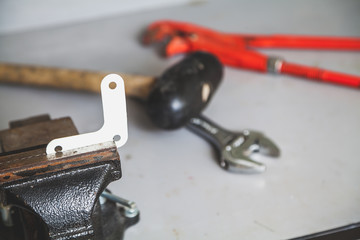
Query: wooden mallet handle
[{"x": 135, "y": 85}]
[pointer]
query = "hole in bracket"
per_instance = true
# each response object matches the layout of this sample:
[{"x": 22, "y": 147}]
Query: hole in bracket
[
  {"x": 58, "y": 149},
  {"x": 116, "y": 138},
  {"x": 112, "y": 85}
]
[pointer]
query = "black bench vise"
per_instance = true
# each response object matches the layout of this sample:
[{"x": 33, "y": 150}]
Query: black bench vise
[{"x": 60, "y": 198}]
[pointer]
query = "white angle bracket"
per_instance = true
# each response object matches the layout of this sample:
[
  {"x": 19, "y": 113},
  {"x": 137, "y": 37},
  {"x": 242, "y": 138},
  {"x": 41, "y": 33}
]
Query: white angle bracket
[{"x": 115, "y": 120}]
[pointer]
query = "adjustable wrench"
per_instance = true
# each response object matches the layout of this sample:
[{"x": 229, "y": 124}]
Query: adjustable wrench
[{"x": 235, "y": 148}]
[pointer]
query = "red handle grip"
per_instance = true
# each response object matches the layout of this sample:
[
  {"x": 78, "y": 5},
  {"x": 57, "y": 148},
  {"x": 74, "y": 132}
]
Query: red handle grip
[
  {"x": 235, "y": 57},
  {"x": 302, "y": 42},
  {"x": 320, "y": 74}
]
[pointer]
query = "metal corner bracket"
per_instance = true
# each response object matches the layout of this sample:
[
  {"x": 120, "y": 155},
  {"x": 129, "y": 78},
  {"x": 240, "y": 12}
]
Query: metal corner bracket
[{"x": 115, "y": 120}]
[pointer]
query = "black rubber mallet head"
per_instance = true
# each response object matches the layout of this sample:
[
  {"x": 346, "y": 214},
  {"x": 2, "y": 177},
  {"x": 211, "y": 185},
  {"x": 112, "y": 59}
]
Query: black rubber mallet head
[{"x": 184, "y": 90}]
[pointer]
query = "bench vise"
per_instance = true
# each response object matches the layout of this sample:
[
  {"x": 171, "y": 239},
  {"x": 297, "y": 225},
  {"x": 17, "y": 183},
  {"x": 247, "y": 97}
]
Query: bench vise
[{"x": 59, "y": 195}]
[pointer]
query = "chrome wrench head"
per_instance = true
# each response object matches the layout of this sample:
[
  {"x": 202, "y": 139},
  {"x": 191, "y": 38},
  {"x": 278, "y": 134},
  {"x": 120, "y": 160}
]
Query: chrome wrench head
[
  {"x": 236, "y": 155},
  {"x": 235, "y": 148}
]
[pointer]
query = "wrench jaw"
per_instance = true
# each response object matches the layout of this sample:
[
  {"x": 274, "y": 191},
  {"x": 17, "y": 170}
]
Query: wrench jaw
[
  {"x": 236, "y": 154},
  {"x": 257, "y": 142},
  {"x": 268, "y": 148},
  {"x": 238, "y": 164}
]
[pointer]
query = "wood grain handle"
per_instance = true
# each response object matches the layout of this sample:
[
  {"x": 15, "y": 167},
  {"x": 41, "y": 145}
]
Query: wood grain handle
[{"x": 135, "y": 85}]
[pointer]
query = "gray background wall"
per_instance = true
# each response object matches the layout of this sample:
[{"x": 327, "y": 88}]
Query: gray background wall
[{"x": 23, "y": 15}]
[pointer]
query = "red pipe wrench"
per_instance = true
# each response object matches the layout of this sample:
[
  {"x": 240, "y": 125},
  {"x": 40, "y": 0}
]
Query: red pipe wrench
[{"x": 236, "y": 50}]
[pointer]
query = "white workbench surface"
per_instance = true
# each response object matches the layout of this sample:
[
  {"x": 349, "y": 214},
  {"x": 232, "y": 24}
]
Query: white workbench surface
[{"x": 173, "y": 176}]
